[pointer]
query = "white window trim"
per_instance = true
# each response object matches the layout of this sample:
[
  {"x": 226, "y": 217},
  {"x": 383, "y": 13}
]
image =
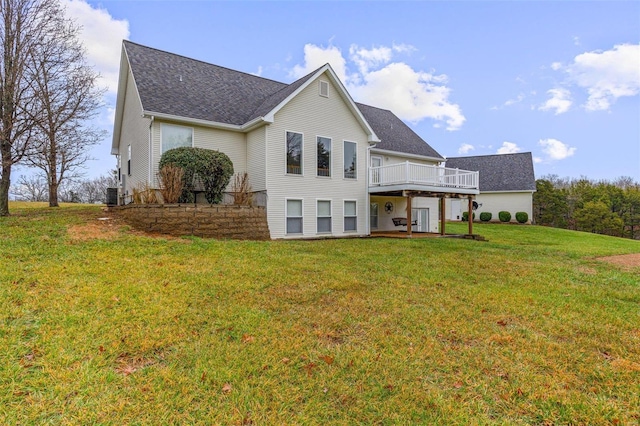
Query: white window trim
[
  {"x": 370, "y": 210},
  {"x": 331, "y": 215},
  {"x": 330, "y": 157},
  {"x": 345, "y": 216},
  {"x": 193, "y": 134},
  {"x": 301, "y": 154},
  {"x": 357, "y": 158},
  {"x": 320, "y": 83},
  {"x": 286, "y": 214},
  {"x": 378, "y": 157}
]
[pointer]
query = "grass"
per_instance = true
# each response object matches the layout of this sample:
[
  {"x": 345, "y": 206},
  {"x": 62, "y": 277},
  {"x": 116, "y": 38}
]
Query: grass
[{"x": 101, "y": 325}]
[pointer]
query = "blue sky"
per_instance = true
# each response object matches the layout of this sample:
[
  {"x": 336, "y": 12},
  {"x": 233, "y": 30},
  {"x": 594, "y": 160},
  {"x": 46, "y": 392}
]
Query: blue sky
[{"x": 558, "y": 79}]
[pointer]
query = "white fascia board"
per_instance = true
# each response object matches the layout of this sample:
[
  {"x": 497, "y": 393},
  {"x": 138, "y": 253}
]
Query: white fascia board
[
  {"x": 207, "y": 123},
  {"x": 123, "y": 77},
  {"x": 371, "y": 135},
  {"x": 405, "y": 155}
]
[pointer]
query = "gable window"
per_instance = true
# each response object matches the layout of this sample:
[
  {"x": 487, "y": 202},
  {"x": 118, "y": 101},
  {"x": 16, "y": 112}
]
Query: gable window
[
  {"x": 324, "y": 156},
  {"x": 294, "y": 217},
  {"x": 175, "y": 137},
  {"x": 350, "y": 160},
  {"x": 324, "y": 216},
  {"x": 324, "y": 88},
  {"x": 294, "y": 153},
  {"x": 350, "y": 216}
]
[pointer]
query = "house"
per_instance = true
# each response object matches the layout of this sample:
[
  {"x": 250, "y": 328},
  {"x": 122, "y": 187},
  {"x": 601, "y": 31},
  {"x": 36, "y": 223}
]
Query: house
[
  {"x": 507, "y": 183},
  {"x": 322, "y": 164}
]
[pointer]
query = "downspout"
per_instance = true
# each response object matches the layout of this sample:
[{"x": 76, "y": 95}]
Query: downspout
[{"x": 151, "y": 183}]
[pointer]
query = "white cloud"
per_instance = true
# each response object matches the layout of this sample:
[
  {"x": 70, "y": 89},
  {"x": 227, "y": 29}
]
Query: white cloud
[
  {"x": 607, "y": 75},
  {"x": 556, "y": 66},
  {"x": 317, "y": 56},
  {"x": 556, "y": 150},
  {"x": 465, "y": 148},
  {"x": 102, "y": 37},
  {"x": 377, "y": 80},
  {"x": 508, "y": 148},
  {"x": 537, "y": 160},
  {"x": 560, "y": 101}
]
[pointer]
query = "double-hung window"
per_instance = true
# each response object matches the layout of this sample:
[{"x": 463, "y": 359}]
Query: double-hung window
[
  {"x": 350, "y": 160},
  {"x": 324, "y": 216},
  {"x": 175, "y": 137},
  {"x": 294, "y": 217},
  {"x": 350, "y": 216},
  {"x": 324, "y": 156},
  {"x": 294, "y": 153}
]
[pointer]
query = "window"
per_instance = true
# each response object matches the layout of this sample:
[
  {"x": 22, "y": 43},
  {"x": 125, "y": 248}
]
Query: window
[
  {"x": 324, "y": 88},
  {"x": 350, "y": 160},
  {"x": 324, "y": 156},
  {"x": 373, "y": 215},
  {"x": 175, "y": 137},
  {"x": 294, "y": 153},
  {"x": 129, "y": 160},
  {"x": 350, "y": 216},
  {"x": 324, "y": 216},
  {"x": 294, "y": 216}
]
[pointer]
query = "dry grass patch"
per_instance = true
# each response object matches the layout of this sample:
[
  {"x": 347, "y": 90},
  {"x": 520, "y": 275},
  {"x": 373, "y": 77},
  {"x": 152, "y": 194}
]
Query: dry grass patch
[{"x": 626, "y": 261}]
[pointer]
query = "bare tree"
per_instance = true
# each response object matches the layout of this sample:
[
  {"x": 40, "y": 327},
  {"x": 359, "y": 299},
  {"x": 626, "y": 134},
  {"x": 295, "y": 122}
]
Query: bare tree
[
  {"x": 30, "y": 188},
  {"x": 67, "y": 98},
  {"x": 23, "y": 24},
  {"x": 95, "y": 190}
]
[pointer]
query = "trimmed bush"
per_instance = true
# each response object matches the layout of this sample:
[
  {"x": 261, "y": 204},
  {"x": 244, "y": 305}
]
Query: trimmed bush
[
  {"x": 485, "y": 216},
  {"x": 202, "y": 167},
  {"x": 504, "y": 216},
  {"x": 465, "y": 216},
  {"x": 522, "y": 217}
]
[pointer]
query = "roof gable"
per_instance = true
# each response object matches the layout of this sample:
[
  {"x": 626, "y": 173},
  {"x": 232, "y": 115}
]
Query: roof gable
[{"x": 500, "y": 172}]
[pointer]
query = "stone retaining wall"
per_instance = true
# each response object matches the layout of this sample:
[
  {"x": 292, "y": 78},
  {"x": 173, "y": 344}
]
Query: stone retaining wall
[{"x": 208, "y": 221}]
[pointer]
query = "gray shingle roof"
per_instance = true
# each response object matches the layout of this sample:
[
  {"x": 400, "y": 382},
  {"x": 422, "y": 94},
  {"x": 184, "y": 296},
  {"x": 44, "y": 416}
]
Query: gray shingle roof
[
  {"x": 394, "y": 134},
  {"x": 501, "y": 172},
  {"x": 176, "y": 85}
]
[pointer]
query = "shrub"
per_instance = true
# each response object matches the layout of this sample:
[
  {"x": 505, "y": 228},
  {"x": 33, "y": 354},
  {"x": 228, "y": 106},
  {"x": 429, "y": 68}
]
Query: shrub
[
  {"x": 504, "y": 216},
  {"x": 485, "y": 216},
  {"x": 522, "y": 217},
  {"x": 465, "y": 216},
  {"x": 143, "y": 193},
  {"x": 170, "y": 177},
  {"x": 241, "y": 190},
  {"x": 211, "y": 169}
]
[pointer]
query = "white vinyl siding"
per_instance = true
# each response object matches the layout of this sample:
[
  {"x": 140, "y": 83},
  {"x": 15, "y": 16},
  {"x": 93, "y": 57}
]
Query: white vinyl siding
[
  {"x": 323, "y": 216},
  {"x": 256, "y": 163},
  {"x": 135, "y": 133},
  {"x": 294, "y": 217},
  {"x": 330, "y": 117},
  {"x": 350, "y": 216}
]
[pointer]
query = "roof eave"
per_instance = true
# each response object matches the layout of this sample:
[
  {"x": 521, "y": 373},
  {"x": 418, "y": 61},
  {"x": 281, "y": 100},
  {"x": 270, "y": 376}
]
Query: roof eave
[{"x": 248, "y": 126}]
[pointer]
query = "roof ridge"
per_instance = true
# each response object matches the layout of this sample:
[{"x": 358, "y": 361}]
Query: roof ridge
[{"x": 492, "y": 155}]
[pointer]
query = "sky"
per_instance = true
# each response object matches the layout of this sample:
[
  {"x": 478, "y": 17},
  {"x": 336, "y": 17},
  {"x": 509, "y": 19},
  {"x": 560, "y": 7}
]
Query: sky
[{"x": 559, "y": 79}]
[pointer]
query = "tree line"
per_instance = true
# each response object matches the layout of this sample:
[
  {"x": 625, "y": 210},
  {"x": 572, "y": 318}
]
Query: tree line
[
  {"x": 48, "y": 96},
  {"x": 602, "y": 207},
  {"x": 88, "y": 190}
]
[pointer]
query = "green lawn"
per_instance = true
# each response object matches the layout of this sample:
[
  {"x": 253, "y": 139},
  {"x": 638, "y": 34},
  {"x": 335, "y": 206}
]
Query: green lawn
[{"x": 113, "y": 327}]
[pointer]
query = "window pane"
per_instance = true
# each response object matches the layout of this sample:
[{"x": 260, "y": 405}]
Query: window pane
[
  {"x": 324, "y": 156},
  {"x": 350, "y": 223},
  {"x": 294, "y": 225},
  {"x": 324, "y": 208},
  {"x": 175, "y": 137},
  {"x": 350, "y": 160},
  {"x": 294, "y": 153},
  {"x": 294, "y": 208},
  {"x": 349, "y": 208},
  {"x": 324, "y": 224}
]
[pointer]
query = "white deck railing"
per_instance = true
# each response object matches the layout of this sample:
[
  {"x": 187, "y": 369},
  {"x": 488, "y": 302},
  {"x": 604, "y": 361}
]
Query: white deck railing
[{"x": 422, "y": 174}]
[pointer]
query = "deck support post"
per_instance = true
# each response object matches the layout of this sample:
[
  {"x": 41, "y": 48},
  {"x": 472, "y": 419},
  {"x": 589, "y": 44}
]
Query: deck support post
[
  {"x": 409, "y": 227},
  {"x": 443, "y": 215},
  {"x": 470, "y": 217}
]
